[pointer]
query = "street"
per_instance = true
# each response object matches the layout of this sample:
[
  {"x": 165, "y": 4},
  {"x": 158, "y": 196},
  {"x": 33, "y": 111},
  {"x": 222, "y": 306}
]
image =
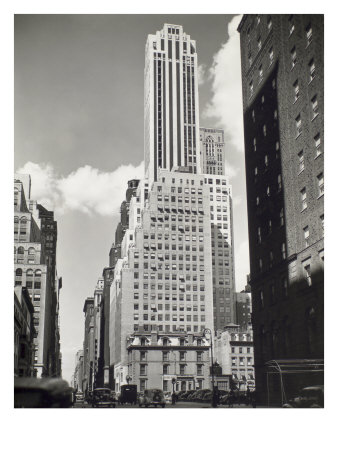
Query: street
[{"x": 168, "y": 405}]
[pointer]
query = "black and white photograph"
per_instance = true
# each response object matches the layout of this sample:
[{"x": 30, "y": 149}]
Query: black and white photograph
[{"x": 168, "y": 214}]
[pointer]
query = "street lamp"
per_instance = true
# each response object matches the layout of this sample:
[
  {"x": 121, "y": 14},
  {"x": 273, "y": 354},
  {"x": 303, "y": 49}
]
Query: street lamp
[
  {"x": 173, "y": 380},
  {"x": 128, "y": 378},
  {"x": 206, "y": 332}
]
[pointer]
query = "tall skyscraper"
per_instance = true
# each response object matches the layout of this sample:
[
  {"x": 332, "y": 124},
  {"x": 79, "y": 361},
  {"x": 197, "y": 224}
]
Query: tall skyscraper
[
  {"x": 175, "y": 274},
  {"x": 212, "y": 151},
  {"x": 282, "y": 75},
  {"x": 171, "y": 112}
]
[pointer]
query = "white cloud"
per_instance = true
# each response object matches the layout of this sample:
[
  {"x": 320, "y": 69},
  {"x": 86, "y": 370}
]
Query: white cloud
[
  {"x": 226, "y": 101},
  {"x": 202, "y": 73},
  {"x": 87, "y": 189},
  {"x": 229, "y": 169}
]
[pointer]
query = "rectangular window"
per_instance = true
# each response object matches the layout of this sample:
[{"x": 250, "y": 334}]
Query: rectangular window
[
  {"x": 296, "y": 90},
  {"x": 298, "y": 125},
  {"x": 306, "y": 233},
  {"x": 143, "y": 369},
  {"x": 309, "y": 34},
  {"x": 307, "y": 270},
  {"x": 320, "y": 180},
  {"x": 301, "y": 161},
  {"x": 314, "y": 103},
  {"x": 303, "y": 198},
  {"x": 312, "y": 70},
  {"x": 271, "y": 55},
  {"x": 259, "y": 43},
  {"x": 260, "y": 71},
  {"x": 251, "y": 88},
  {"x": 317, "y": 144},
  {"x": 293, "y": 57},
  {"x": 291, "y": 25}
]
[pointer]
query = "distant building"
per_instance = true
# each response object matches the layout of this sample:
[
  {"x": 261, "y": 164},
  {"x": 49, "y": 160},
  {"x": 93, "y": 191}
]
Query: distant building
[
  {"x": 88, "y": 346},
  {"x": 243, "y": 307},
  {"x": 23, "y": 333},
  {"x": 234, "y": 352},
  {"x": 282, "y": 59},
  {"x": 78, "y": 372},
  {"x": 212, "y": 151},
  {"x": 35, "y": 236}
]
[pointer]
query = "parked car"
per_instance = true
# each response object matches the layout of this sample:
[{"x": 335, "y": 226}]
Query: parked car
[
  {"x": 128, "y": 394},
  {"x": 102, "y": 398},
  {"x": 42, "y": 393},
  {"x": 309, "y": 397},
  {"x": 79, "y": 397},
  {"x": 153, "y": 397}
]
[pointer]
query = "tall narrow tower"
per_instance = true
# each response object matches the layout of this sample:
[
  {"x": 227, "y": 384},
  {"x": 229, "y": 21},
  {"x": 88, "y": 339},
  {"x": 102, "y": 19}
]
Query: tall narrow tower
[{"x": 171, "y": 119}]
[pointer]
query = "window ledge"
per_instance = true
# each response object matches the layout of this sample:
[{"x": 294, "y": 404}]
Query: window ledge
[
  {"x": 298, "y": 135},
  {"x": 295, "y": 101},
  {"x": 311, "y": 80},
  {"x": 319, "y": 196},
  {"x": 301, "y": 171},
  {"x": 313, "y": 118},
  {"x": 304, "y": 209},
  {"x": 319, "y": 154}
]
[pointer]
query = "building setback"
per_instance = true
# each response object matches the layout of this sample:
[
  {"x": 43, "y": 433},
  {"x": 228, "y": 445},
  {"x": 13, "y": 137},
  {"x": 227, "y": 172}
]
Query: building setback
[
  {"x": 282, "y": 79},
  {"x": 35, "y": 236}
]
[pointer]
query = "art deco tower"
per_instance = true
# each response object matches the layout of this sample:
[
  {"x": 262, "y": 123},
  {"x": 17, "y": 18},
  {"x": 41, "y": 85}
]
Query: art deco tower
[{"x": 171, "y": 120}]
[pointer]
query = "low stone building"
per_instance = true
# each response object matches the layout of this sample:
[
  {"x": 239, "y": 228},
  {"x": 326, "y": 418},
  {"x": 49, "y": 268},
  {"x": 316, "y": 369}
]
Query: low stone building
[{"x": 165, "y": 360}]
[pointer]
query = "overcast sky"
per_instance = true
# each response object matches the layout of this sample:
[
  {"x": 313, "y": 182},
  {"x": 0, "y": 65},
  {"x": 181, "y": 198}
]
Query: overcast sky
[{"x": 79, "y": 132}]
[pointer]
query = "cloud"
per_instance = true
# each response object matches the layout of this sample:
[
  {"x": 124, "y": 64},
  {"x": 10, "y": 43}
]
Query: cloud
[
  {"x": 229, "y": 169},
  {"x": 202, "y": 74},
  {"x": 86, "y": 189},
  {"x": 226, "y": 101}
]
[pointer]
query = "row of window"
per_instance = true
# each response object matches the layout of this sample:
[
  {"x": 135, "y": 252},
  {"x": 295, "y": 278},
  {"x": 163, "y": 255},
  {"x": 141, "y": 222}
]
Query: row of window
[
  {"x": 169, "y": 328},
  {"x": 172, "y": 286},
  {"x": 168, "y": 297},
  {"x": 168, "y": 306},
  {"x": 241, "y": 361}
]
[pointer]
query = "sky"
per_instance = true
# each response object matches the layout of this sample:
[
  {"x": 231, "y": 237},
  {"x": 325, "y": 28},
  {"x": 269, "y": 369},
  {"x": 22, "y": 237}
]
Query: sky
[{"x": 78, "y": 122}]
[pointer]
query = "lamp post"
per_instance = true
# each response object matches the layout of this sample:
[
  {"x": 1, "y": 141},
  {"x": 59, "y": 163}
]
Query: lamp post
[
  {"x": 173, "y": 380},
  {"x": 128, "y": 378},
  {"x": 206, "y": 332}
]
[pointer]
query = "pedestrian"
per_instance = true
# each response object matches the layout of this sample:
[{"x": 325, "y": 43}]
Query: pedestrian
[{"x": 173, "y": 398}]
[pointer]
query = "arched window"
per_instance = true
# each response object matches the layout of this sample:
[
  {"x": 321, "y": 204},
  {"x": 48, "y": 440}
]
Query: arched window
[
  {"x": 38, "y": 273},
  {"x": 18, "y": 275},
  {"x": 29, "y": 273},
  {"x": 16, "y": 219},
  {"x": 16, "y": 196},
  {"x": 31, "y": 251},
  {"x": 21, "y": 251}
]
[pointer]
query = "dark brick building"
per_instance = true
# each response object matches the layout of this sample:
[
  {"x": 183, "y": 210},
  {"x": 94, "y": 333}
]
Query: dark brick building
[{"x": 282, "y": 82}]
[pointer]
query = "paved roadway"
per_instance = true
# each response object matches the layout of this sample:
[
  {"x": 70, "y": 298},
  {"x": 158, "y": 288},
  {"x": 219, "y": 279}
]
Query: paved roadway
[{"x": 168, "y": 405}]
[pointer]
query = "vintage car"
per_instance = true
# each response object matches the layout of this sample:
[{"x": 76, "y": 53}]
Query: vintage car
[
  {"x": 103, "y": 398},
  {"x": 309, "y": 397},
  {"x": 153, "y": 397},
  {"x": 79, "y": 397},
  {"x": 128, "y": 394},
  {"x": 42, "y": 393}
]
